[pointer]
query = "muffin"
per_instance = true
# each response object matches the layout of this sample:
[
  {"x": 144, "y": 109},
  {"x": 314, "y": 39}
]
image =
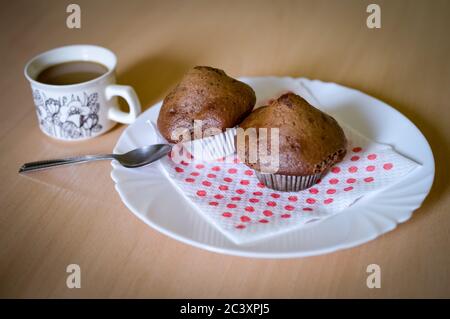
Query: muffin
[
  {"x": 206, "y": 94},
  {"x": 310, "y": 142}
]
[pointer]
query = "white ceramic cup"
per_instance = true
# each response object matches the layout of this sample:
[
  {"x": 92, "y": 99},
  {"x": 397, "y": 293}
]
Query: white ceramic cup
[{"x": 83, "y": 110}]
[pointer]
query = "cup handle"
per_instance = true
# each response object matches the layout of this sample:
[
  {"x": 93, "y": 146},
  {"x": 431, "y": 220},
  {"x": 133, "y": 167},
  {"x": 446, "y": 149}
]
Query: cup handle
[{"x": 128, "y": 93}]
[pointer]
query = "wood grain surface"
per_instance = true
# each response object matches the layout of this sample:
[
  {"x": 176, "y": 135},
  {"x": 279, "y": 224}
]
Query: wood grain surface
[{"x": 73, "y": 215}]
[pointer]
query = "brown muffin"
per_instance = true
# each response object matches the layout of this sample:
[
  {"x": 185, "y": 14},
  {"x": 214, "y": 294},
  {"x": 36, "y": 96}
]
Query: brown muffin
[
  {"x": 310, "y": 141},
  {"x": 206, "y": 94}
]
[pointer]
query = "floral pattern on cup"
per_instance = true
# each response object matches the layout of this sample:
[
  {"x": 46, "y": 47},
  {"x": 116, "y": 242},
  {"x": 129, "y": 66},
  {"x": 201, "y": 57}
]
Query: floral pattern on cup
[{"x": 68, "y": 117}]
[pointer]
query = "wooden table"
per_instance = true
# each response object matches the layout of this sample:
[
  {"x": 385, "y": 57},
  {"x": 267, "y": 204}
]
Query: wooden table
[{"x": 73, "y": 215}]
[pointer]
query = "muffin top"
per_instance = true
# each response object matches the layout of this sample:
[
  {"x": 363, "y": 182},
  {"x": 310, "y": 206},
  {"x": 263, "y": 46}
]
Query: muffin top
[
  {"x": 310, "y": 141},
  {"x": 206, "y": 94}
]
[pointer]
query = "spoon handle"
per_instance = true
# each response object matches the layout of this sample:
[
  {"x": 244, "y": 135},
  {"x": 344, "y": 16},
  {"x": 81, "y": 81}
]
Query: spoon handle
[{"x": 33, "y": 166}]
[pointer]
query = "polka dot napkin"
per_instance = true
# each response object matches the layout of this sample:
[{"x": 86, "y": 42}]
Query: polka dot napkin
[{"x": 228, "y": 195}]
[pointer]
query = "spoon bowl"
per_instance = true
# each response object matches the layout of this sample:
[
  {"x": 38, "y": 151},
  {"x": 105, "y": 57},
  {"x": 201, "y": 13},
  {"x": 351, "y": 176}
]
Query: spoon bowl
[{"x": 143, "y": 155}]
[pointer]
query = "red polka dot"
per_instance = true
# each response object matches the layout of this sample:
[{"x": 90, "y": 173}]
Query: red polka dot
[
  {"x": 216, "y": 168},
  {"x": 240, "y": 191},
  {"x": 357, "y": 149},
  {"x": 248, "y": 172},
  {"x": 240, "y": 226},
  {"x": 354, "y": 158},
  {"x": 335, "y": 170},
  {"x": 328, "y": 201},
  {"x": 368, "y": 179},
  {"x": 285, "y": 216},
  {"x": 179, "y": 169},
  {"x": 319, "y": 181},
  {"x": 235, "y": 198},
  {"x": 261, "y": 185},
  {"x": 201, "y": 193},
  {"x": 310, "y": 200},
  {"x": 353, "y": 169},
  {"x": 195, "y": 173},
  {"x": 228, "y": 180},
  {"x": 245, "y": 182},
  {"x": 263, "y": 221},
  {"x": 275, "y": 195},
  {"x": 253, "y": 200},
  {"x": 227, "y": 214},
  {"x": 190, "y": 180},
  {"x": 211, "y": 176},
  {"x": 213, "y": 203},
  {"x": 199, "y": 166},
  {"x": 236, "y": 161},
  {"x": 249, "y": 209},
  {"x": 388, "y": 166},
  {"x": 271, "y": 204},
  {"x": 218, "y": 196},
  {"x": 334, "y": 181},
  {"x": 307, "y": 209},
  {"x": 206, "y": 183},
  {"x": 232, "y": 171},
  {"x": 245, "y": 219},
  {"x": 184, "y": 163},
  {"x": 372, "y": 156},
  {"x": 289, "y": 207},
  {"x": 331, "y": 191},
  {"x": 347, "y": 189},
  {"x": 267, "y": 213},
  {"x": 231, "y": 206},
  {"x": 313, "y": 190},
  {"x": 257, "y": 193},
  {"x": 223, "y": 187},
  {"x": 351, "y": 180},
  {"x": 293, "y": 198},
  {"x": 370, "y": 168}
]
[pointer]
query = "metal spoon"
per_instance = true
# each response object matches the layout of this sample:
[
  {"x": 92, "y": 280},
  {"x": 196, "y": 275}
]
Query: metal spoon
[{"x": 135, "y": 158}]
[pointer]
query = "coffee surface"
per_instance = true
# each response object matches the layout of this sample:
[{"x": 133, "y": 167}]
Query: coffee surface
[{"x": 71, "y": 73}]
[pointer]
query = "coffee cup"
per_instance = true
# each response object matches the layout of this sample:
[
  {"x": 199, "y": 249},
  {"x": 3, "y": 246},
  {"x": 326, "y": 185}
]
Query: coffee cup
[{"x": 75, "y": 92}]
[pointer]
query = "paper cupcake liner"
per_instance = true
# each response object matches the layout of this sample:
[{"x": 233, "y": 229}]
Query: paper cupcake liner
[
  {"x": 287, "y": 183},
  {"x": 213, "y": 147}
]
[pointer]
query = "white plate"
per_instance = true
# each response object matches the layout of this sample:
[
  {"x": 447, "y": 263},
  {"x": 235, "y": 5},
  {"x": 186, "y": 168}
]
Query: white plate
[{"x": 149, "y": 194}]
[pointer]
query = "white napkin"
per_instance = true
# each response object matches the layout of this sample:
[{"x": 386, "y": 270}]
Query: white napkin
[{"x": 230, "y": 197}]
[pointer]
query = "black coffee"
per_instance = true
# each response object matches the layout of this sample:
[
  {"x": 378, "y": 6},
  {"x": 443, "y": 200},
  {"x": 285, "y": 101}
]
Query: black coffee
[{"x": 71, "y": 73}]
